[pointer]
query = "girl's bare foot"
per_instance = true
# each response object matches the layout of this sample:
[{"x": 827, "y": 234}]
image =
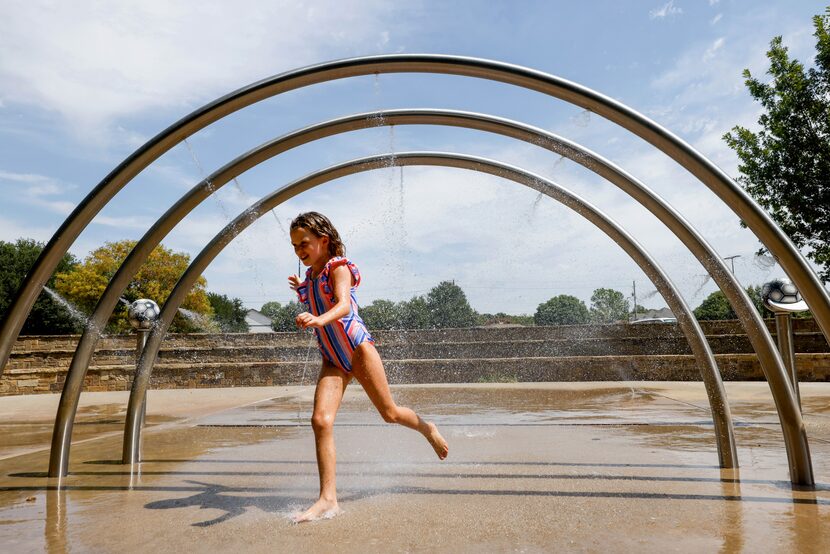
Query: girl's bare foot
[
  {"x": 322, "y": 509},
  {"x": 437, "y": 441}
]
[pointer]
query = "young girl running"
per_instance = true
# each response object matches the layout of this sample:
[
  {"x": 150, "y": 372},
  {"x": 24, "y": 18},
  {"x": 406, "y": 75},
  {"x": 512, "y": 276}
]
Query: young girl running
[{"x": 348, "y": 350}]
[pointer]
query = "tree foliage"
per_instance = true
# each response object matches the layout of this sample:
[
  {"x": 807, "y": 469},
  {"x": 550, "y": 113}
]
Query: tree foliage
[
  {"x": 717, "y": 307},
  {"x": 786, "y": 164},
  {"x": 502, "y": 318},
  {"x": 561, "y": 310},
  {"x": 229, "y": 313},
  {"x": 383, "y": 314},
  {"x": 608, "y": 306},
  {"x": 714, "y": 306},
  {"x": 448, "y": 306},
  {"x": 84, "y": 283},
  {"x": 415, "y": 314},
  {"x": 47, "y": 317},
  {"x": 444, "y": 306},
  {"x": 283, "y": 316}
]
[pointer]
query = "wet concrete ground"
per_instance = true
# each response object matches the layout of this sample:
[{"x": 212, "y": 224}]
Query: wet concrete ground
[{"x": 610, "y": 467}]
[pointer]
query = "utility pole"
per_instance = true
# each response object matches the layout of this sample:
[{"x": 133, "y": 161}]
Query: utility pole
[
  {"x": 634, "y": 294},
  {"x": 732, "y": 261}
]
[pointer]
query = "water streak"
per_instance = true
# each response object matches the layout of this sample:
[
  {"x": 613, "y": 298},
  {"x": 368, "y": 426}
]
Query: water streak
[
  {"x": 764, "y": 262},
  {"x": 706, "y": 278},
  {"x": 201, "y": 322},
  {"x": 536, "y": 201},
  {"x": 243, "y": 245},
  {"x": 648, "y": 295},
  {"x": 74, "y": 312},
  {"x": 302, "y": 377}
]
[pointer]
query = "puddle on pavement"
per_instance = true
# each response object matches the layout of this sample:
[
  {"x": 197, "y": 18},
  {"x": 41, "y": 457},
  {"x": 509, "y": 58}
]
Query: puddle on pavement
[
  {"x": 529, "y": 468},
  {"x": 91, "y": 421},
  {"x": 480, "y": 406}
]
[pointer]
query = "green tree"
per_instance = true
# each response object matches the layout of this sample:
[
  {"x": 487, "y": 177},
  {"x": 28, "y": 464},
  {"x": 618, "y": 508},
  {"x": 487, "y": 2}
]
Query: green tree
[
  {"x": 638, "y": 309},
  {"x": 608, "y": 306},
  {"x": 785, "y": 165},
  {"x": 382, "y": 314},
  {"x": 47, "y": 317},
  {"x": 502, "y": 318},
  {"x": 561, "y": 310},
  {"x": 415, "y": 313},
  {"x": 448, "y": 307},
  {"x": 229, "y": 313},
  {"x": 716, "y": 306},
  {"x": 84, "y": 283},
  {"x": 754, "y": 293},
  {"x": 283, "y": 316}
]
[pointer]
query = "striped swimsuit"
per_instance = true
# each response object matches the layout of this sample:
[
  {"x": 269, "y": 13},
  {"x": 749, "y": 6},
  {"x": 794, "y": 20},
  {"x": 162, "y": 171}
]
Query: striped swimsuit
[{"x": 338, "y": 339}]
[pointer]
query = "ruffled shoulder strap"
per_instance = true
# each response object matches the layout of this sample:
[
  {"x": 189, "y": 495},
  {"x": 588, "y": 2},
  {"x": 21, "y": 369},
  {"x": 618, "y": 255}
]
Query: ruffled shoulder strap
[
  {"x": 337, "y": 262},
  {"x": 302, "y": 290}
]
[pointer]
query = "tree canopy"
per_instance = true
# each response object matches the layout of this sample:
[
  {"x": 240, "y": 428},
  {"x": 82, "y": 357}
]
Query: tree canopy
[
  {"x": 608, "y": 306},
  {"x": 785, "y": 165},
  {"x": 561, "y": 310},
  {"x": 229, "y": 313},
  {"x": 383, "y": 314},
  {"x": 716, "y": 306},
  {"x": 47, "y": 317},
  {"x": 448, "y": 306},
  {"x": 283, "y": 316},
  {"x": 84, "y": 283},
  {"x": 415, "y": 313},
  {"x": 445, "y": 305},
  {"x": 504, "y": 318}
]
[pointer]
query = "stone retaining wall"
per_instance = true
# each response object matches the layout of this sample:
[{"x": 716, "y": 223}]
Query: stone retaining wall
[{"x": 38, "y": 364}]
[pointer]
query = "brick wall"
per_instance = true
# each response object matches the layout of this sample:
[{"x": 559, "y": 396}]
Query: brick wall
[{"x": 568, "y": 353}]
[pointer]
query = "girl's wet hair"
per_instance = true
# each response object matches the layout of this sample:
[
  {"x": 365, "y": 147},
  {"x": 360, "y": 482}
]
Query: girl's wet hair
[{"x": 320, "y": 226}]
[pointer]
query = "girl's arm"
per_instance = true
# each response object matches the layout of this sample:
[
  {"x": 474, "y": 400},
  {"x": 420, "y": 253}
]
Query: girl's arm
[{"x": 341, "y": 282}]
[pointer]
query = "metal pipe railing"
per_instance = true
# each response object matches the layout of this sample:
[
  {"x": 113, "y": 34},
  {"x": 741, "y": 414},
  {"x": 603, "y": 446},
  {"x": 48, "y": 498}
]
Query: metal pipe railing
[
  {"x": 61, "y": 437},
  {"x": 687, "y": 321},
  {"x": 817, "y": 298}
]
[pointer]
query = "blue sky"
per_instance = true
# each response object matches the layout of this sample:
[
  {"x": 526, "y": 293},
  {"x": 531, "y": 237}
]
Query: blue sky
[{"x": 83, "y": 84}]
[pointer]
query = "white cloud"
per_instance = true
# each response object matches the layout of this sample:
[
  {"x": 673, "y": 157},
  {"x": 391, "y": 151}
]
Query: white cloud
[
  {"x": 666, "y": 10},
  {"x": 384, "y": 40},
  {"x": 94, "y": 62},
  {"x": 37, "y": 190},
  {"x": 705, "y": 92},
  {"x": 11, "y": 230},
  {"x": 506, "y": 250},
  {"x": 716, "y": 18},
  {"x": 712, "y": 50},
  {"x": 124, "y": 222}
]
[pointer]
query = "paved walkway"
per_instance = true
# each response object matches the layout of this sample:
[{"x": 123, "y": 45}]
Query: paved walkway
[{"x": 611, "y": 467}]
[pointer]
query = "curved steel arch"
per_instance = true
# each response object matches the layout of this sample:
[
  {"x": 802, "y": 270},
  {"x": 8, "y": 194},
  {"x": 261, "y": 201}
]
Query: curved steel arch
[
  {"x": 817, "y": 298},
  {"x": 690, "y": 326},
  {"x": 756, "y": 330}
]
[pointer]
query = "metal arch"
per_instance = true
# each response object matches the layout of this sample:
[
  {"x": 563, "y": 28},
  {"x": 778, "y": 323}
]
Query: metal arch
[
  {"x": 690, "y": 326},
  {"x": 796, "y": 267},
  {"x": 756, "y": 330},
  {"x": 61, "y": 437}
]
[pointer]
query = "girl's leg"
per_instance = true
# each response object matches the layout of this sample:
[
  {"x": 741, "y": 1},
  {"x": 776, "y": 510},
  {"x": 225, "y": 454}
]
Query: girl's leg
[
  {"x": 327, "y": 397},
  {"x": 367, "y": 368}
]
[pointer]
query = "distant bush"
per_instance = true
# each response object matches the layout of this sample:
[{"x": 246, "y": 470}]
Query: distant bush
[{"x": 561, "y": 310}]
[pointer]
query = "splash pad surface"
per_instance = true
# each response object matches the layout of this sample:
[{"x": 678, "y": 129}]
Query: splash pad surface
[{"x": 532, "y": 467}]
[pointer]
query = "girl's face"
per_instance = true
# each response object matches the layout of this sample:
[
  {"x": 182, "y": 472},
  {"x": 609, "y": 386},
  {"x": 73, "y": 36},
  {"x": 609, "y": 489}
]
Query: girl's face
[{"x": 312, "y": 250}]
